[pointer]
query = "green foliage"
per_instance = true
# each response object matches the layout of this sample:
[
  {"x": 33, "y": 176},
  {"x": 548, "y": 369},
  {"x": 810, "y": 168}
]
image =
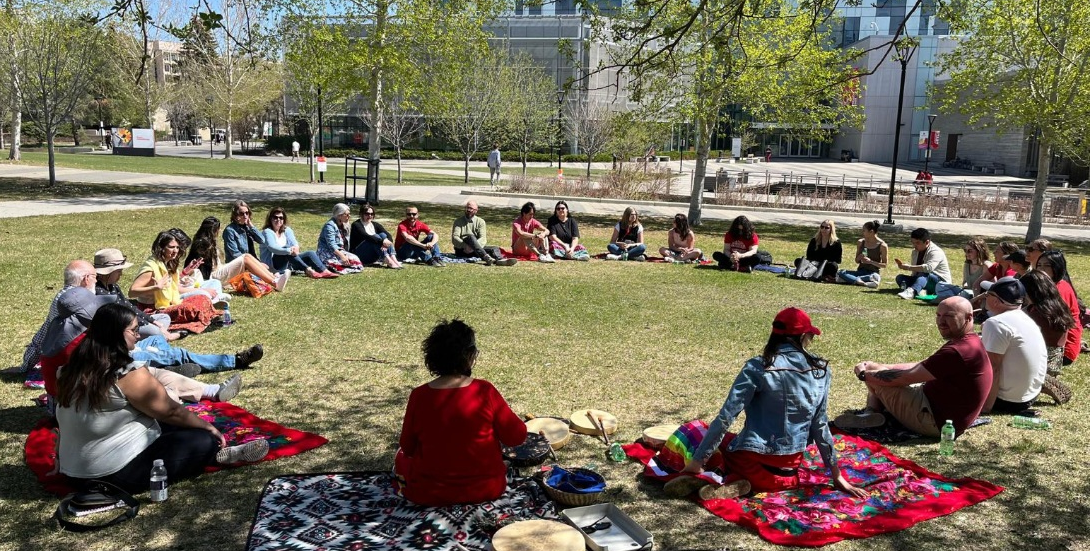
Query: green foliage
[
  {"x": 1022, "y": 65},
  {"x": 525, "y": 120}
]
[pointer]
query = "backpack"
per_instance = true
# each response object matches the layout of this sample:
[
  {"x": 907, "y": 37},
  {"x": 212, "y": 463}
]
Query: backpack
[{"x": 764, "y": 257}]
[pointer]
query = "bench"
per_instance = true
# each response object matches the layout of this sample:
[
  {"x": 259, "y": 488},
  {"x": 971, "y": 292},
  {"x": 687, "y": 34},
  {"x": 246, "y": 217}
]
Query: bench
[
  {"x": 995, "y": 168},
  {"x": 184, "y": 142},
  {"x": 1057, "y": 180}
]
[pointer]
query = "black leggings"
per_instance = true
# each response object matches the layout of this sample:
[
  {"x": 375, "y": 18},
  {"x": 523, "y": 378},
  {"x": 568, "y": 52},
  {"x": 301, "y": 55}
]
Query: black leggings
[
  {"x": 185, "y": 453},
  {"x": 745, "y": 263},
  {"x": 479, "y": 251}
]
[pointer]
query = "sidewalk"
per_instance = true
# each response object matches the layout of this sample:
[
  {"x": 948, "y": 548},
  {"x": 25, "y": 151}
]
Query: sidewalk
[{"x": 196, "y": 190}]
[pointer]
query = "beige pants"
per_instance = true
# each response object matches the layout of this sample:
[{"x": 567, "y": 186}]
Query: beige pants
[
  {"x": 909, "y": 405},
  {"x": 229, "y": 270},
  {"x": 180, "y": 389}
]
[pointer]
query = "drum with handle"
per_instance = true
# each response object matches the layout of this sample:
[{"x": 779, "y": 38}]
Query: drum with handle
[
  {"x": 555, "y": 430},
  {"x": 530, "y": 453},
  {"x": 657, "y": 435}
]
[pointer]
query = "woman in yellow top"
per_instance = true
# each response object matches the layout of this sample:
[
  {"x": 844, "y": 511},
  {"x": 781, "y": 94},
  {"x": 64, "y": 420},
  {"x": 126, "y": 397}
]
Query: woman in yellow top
[{"x": 158, "y": 284}]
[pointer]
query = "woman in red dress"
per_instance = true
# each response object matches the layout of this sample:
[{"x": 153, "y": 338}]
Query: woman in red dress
[{"x": 453, "y": 427}]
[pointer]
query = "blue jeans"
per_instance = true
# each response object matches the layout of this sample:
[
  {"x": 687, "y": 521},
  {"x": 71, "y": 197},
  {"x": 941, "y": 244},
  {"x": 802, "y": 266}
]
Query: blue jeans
[
  {"x": 158, "y": 353},
  {"x": 852, "y": 276},
  {"x": 370, "y": 253},
  {"x": 298, "y": 263},
  {"x": 633, "y": 250},
  {"x": 408, "y": 250},
  {"x": 918, "y": 282}
]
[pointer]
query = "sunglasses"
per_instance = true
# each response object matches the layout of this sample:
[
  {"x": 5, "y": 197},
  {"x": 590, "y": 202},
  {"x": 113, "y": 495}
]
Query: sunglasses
[
  {"x": 244, "y": 213},
  {"x": 826, "y": 227},
  {"x": 368, "y": 214},
  {"x": 411, "y": 213},
  {"x": 597, "y": 526},
  {"x": 278, "y": 217}
]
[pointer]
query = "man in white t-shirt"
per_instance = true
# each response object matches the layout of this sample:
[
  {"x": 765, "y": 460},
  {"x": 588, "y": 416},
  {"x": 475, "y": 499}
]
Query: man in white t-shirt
[
  {"x": 1015, "y": 347},
  {"x": 294, "y": 150}
]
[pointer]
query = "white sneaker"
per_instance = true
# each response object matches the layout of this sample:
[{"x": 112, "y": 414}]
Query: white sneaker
[
  {"x": 613, "y": 257},
  {"x": 907, "y": 294},
  {"x": 877, "y": 277},
  {"x": 870, "y": 284},
  {"x": 548, "y": 259},
  {"x": 281, "y": 280}
]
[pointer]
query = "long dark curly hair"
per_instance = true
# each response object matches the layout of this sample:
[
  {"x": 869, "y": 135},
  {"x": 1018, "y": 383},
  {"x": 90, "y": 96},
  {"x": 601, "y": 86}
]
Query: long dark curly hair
[{"x": 92, "y": 368}]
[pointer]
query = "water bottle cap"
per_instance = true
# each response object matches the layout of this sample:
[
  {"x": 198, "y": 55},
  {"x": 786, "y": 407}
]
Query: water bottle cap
[
  {"x": 157, "y": 463},
  {"x": 949, "y": 422}
]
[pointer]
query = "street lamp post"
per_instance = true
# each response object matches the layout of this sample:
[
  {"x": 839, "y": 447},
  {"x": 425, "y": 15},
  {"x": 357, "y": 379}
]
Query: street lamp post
[
  {"x": 559, "y": 135},
  {"x": 927, "y": 156},
  {"x": 904, "y": 53}
]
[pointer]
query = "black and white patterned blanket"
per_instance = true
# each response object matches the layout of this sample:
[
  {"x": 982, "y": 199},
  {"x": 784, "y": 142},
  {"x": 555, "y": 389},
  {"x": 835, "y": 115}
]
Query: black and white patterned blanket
[{"x": 362, "y": 511}]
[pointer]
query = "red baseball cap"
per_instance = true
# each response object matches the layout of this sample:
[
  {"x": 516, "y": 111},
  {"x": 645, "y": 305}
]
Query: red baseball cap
[{"x": 793, "y": 321}]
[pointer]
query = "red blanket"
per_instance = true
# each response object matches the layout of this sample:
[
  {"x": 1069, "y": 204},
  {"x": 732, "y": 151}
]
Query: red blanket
[
  {"x": 902, "y": 493},
  {"x": 237, "y": 425}
]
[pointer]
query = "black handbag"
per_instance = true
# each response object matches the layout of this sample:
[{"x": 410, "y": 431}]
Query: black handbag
[{"x": 95, "y": 498}]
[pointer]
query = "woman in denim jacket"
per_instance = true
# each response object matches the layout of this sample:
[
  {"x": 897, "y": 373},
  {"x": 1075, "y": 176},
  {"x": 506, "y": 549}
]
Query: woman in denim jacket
[{"x": 784, "y": 393}]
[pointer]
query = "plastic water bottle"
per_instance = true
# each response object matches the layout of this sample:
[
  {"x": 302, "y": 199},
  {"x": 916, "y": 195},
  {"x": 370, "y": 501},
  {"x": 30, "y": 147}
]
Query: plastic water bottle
[
  {"x": 158, "y": 481},
  {"x": 624, "y": 254},
  {"x": 227, "y": 315},
  {"x": 616, "y": 454},
  {"x": 946, "y": 440},
  {"x": 1022, "y": 422}
]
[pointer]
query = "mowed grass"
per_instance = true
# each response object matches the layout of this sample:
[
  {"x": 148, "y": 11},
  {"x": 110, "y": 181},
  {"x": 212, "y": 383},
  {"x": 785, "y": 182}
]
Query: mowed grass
[
  {"x": 248, "y": 169},
  {"x": 14, "y": 189},
  {"x": 650, "y": 343}
]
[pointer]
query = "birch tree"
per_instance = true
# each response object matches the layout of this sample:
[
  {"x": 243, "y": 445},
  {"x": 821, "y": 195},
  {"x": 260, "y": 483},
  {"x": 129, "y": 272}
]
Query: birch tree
[
  {"x": 590, "y": 123},
  {"x": 1023, "y": 65},
  {"x": 526, "y": 122},
  {"x": 773, "y": 58},
  {"x": 401, "y": 125},
  {"x": 58, "y": 59}
]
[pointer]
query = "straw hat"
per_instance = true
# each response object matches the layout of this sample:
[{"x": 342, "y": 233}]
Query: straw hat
[{"x": 108, "y": 261}]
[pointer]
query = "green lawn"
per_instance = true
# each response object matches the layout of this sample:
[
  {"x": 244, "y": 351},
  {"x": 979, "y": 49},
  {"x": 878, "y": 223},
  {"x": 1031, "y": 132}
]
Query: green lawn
[
  {"x": 240, "y": 168},
  {"x": 650, "y": 343}
]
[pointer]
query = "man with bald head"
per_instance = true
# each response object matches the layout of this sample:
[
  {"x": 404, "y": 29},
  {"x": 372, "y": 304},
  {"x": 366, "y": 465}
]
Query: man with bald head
[
  {"x": 951, "y": 384},
  {"x": 470, "y": 238},
  {"x": 78, "y": 273}
]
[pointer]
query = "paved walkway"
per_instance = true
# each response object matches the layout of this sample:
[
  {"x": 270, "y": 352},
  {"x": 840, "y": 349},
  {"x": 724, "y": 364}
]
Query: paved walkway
[{"x": 180, "y": 190}]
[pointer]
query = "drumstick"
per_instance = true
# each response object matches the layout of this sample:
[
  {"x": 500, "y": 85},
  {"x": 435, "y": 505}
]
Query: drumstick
[
  {"x": 604, "y": 435},
  {"x": 551, "y": 452},
  {"x": 594, "y": 423}
]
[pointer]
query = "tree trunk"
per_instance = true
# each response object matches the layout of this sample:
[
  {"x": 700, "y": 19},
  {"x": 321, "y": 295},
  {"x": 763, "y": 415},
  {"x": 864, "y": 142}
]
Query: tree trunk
[
  {"x": 227, "y": 136},
  {"x": 75, "y": 133},
  {"x": 399, "y": 164},
  {"x": 702, "y": 135},
  {"x": 466, "y": 180},
  {"x": 50, "y": 135},
  {"x": 1037, "y": 214},
  {"x": 524, "y": 165},
  {"x": 310, "y": 161},
  {"x": 378, "y": 42},
  {"x": 14, "y": 154},
  {"x": 589, "y": 159}
]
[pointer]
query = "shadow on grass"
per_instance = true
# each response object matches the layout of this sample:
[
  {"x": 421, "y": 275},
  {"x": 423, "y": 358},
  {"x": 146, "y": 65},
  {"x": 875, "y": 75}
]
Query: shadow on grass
[{"x": 20, "y": 419}]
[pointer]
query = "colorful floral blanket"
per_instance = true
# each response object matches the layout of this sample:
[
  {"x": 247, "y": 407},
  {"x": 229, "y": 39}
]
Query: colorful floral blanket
[
  {"x": 237, "y": 425},
  {"x": 362, "y": 510},
  {"x": 902, "y": 494}
]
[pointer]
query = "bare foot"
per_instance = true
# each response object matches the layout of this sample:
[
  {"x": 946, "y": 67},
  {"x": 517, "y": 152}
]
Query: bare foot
[{"x": 171, "y": 336}]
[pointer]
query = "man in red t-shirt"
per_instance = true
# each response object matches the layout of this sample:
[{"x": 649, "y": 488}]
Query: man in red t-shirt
[
  {"x": 952, "y": 384},
  {"x": 416, "y": 241}
]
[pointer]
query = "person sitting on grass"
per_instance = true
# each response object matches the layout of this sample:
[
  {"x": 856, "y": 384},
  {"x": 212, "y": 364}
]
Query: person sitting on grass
[
  {"x": 109, "y": 263},
  {"x": 453, "y": 427},
  {"x": 951, "y": 384},
  {"x": 415, "y": 242},
  {"x": 280, "y": 250},
  {"x": 739, "y": 247},
  {"x": 785, "y": 395},
  {"x": 1016, "y": 349},
  {"x": 469, "y": 235},
  {"x": 627, "y": 238},
  {"x": 1035, "y": 249},
  {"x": 333, "y": 243},
  {"x": 825, "y": 247},
  {"x": 159, "y": 285},
  {"x": 872, "y": 254},
  {"x": 78, "y": 307},
  {"x": 928, "y": 267},
  {"x": 206, "y": 252},
  {"x": 681, "y": 242},
  {"x": 115, "y": 418},
  {"x": 77, "y": 273},
  {"x": 529, "y": 236},
  {"x": 564, "y": 234},
  {"x": 1054, "y": 264},
  {"x": 370, "y": 241},
  {"x": 1044, "y": 305},
  {"x": 1019, "y": 263}
]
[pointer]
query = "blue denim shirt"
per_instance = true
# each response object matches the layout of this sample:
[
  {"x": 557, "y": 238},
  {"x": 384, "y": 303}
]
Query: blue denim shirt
[
  {"x": 785, "y": 407},
  {"x": 330, "y": 239},
  {"x": 234, "y": 240},
  {"x": 271, "y": 248}
]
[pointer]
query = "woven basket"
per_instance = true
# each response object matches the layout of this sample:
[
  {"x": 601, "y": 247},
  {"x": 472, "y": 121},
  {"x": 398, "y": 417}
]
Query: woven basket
[{"x": 569, "y": 499}]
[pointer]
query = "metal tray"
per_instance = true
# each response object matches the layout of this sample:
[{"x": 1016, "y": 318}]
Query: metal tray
[{"x": 624, "y": 535}]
